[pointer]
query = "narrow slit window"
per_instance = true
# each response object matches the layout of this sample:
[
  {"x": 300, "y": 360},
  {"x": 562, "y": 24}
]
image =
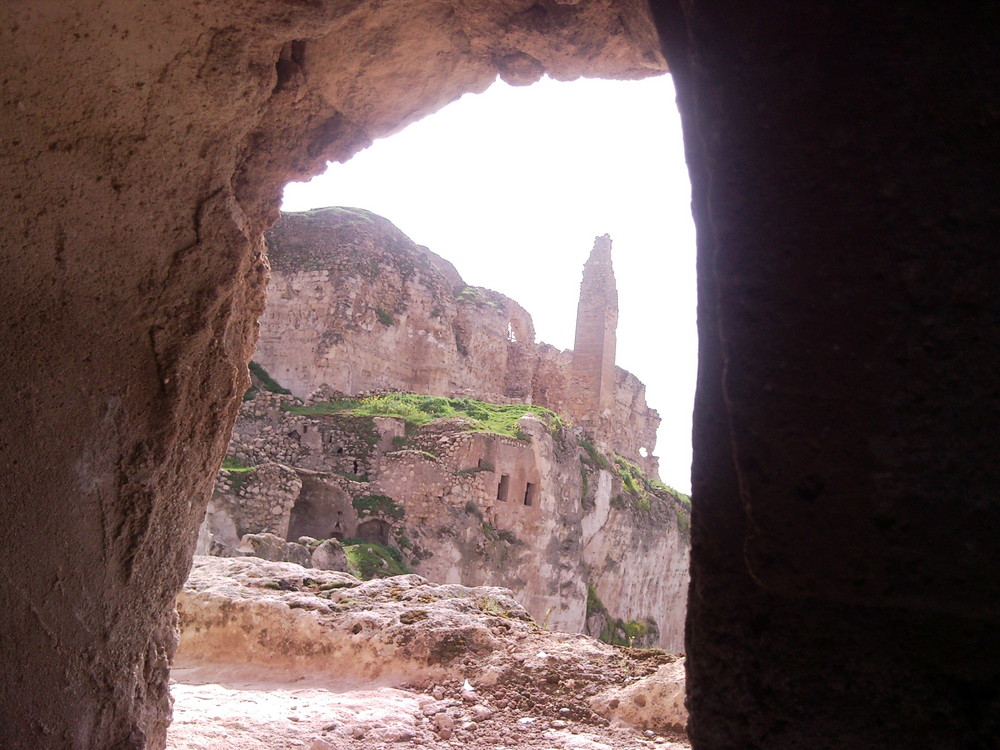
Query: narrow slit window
[
  {"x": 503, "y": 487},
  {"x": 529, "y": 494}
]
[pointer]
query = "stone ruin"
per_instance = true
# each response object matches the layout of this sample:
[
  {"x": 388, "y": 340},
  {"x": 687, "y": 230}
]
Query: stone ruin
[
  {"x": 537, "y": 515},
  {"x": 356, "y": 305},
  {"x": 549, "y": 514}
]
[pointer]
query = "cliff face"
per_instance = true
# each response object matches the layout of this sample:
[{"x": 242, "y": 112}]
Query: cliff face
[
  {"x": 546, "y": 514},
  {"x": 568, "y": 515},
  {"x": 348, "y": 287},
  {"x": 638, "y": 562},
  {"x": 355, "y": 304}
]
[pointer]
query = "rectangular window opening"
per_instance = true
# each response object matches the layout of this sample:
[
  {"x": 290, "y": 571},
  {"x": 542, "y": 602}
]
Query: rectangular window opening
[
  {"x": 529, "y": 494},
  {"x": 503, "y": 487}
]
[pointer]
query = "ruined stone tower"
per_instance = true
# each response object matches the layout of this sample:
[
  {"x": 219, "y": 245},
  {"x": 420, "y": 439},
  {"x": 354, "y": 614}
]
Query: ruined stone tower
[{"x": 594, "y": 346}]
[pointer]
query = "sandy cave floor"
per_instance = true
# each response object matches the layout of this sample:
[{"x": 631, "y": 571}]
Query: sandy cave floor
[{"x": 246, "y": 709}]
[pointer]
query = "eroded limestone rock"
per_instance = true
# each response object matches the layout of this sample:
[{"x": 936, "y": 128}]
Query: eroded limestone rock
[
  {"x": 654, "y": 702},
  {"x": 329, "y": 555},
  {"x": 361, "y": 665},
  {"x": 252, "y": 611},
  {"x": 271, "y": 547}
]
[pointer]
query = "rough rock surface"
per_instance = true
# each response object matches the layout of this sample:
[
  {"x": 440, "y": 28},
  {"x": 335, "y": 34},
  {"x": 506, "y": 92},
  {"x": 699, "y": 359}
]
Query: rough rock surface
[
  {"x": 355, "y": 305},
  {"x": 434, "y": 494},
  {"x": 328, "y": 555},
  {"x": 271, "y": 547},
  {"x": 845, "y": 566},
  {"x": 145, "y": 146},
  {"x": 274, "y": 655},
  {"x": 652, "y": 702}
]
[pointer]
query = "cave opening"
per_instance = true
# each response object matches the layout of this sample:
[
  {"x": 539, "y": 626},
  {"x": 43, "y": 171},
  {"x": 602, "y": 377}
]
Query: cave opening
[
  {"x": 374, "y": 530},
  {"x": 318, "y": 511},
  {"x": 529, "y": 494},
  {"x": 536, "y": 261},
  {"x": 503, "y": 487},
  {"x": 846, "y": 168},
  {"x": 512, "y": 185}
]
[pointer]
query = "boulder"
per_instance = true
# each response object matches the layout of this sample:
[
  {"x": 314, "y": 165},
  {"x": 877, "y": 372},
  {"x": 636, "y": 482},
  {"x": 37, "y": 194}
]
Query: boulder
[
  {"x": 654, "y": 702},
  {"x": 329, "y": 556},
  {"x": 274, "y": 548},
  {"x": 252, "y": 611}
]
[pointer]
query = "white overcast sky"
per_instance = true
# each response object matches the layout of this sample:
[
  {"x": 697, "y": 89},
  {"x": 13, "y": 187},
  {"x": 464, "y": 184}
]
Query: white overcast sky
[{"x": 513, "y": 185}]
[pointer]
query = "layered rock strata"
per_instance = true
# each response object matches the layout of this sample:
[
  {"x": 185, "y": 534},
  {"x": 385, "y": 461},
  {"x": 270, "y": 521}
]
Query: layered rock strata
[{"x": 355, "y": 304}]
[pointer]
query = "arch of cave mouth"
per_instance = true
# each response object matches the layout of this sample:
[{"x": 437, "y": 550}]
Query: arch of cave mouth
[{"x": 843, "y": 166}]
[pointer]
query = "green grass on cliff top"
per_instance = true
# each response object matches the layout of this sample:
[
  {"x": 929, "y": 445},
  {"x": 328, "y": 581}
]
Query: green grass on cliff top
[{"x": 417, "y": 410}]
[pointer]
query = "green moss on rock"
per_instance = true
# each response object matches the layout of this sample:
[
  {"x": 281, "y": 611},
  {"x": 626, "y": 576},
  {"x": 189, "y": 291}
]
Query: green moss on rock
[{"x": 367, "y": 560}]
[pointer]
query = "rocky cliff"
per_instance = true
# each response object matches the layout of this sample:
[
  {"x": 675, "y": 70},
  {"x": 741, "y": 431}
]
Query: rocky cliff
[
  {"x": 468, "y": 478},
  {"x": 584, "y": 539},
  {"x": 353, "y": 303}
]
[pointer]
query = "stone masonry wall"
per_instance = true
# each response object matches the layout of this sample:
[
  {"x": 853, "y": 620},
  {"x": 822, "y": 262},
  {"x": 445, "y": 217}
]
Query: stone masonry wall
[
  {"x": 593, "y": 364},
  {"x": 462, "y": 507}
]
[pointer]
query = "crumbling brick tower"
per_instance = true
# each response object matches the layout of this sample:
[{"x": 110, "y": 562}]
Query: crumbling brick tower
[{"x": 594, "y": 347}]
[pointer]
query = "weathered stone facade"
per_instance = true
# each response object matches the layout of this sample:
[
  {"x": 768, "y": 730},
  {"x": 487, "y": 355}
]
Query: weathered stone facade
[
  {"x": 354, "y": 304},
  {"x": 535, "y": 515},
  {"x": 593, "y": 371}
]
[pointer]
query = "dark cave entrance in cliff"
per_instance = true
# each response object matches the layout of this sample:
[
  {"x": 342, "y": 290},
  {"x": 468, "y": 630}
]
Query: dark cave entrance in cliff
[
  {"x": 318, "y": 511},
  {"x": 374, "y": 530}
]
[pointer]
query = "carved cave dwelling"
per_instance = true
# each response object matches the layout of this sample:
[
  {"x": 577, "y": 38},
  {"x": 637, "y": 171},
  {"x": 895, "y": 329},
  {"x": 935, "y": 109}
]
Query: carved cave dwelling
[{"x": 843, "y": 159}]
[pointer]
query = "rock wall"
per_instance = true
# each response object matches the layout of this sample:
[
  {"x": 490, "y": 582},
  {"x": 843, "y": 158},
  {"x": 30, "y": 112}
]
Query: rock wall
[
  {"x": 845, "y": 564},
  {"x": 145, "y": 146},
  {"x": 639, "y": 565},
  {"x": 355, "y": 304},
  {"x": 542, "y": 515}
]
